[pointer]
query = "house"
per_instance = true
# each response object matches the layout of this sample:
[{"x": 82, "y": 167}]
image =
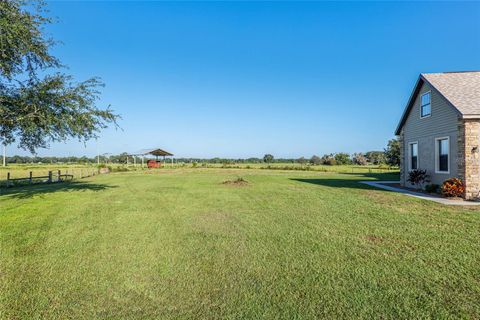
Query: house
[{"x": 440, "y": 129}]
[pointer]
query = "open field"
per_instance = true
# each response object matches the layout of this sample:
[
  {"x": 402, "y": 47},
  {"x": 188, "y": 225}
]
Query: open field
[
  {"x": 77, "y": 170},
  {"x": 182, "y": 244},
  {"x": 299, "y": 167},
  {"x": 23, "y": 170}
]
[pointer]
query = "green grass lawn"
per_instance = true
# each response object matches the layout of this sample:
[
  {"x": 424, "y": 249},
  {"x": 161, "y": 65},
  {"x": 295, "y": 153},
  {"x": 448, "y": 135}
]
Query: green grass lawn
[{"x": 181, "y": 244}]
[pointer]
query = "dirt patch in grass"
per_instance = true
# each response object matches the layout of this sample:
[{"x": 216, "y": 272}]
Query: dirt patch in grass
[
  {"x": 239, "y": 182},
  {"x": 374, "y": 239}
]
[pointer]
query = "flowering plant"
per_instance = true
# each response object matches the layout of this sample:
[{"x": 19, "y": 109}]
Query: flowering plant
[{"x": 453, "y": 187}]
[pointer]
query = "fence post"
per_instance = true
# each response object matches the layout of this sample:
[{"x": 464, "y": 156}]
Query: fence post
[
  {"x": 59, "y": 172},
  {"x": 8, "y": 179},
  {"x": 49, "y": 176},
  {"x": 81, "y": 170},
  {"x": 31, "y": 177}
]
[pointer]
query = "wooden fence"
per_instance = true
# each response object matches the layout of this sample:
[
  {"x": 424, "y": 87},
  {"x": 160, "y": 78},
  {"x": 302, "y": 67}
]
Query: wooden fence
[{"x": 52, "y": 177}]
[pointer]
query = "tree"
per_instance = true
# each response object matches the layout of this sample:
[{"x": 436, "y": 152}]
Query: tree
[
  {"x": 268, "y": 158},
  {"x": 359, "y": 159},
  {"x": 375, "y": 157},
  {"x": 343, "y": 158},
  {"x": 302, "y": 160},
  {"x": 328, "y": 159},
  {"x": 38, "y": 103},
  {"x": 315, "y": 160},
  {"x": 392, "y": 152}
]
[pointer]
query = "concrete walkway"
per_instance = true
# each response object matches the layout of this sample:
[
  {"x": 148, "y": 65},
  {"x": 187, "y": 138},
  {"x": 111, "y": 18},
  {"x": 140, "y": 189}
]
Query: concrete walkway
[{"x": 424, "y": 196}]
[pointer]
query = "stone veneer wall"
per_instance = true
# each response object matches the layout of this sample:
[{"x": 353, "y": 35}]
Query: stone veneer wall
[
  {"x": 468, "y": 159},
  {"x": 402, "y": 158}
]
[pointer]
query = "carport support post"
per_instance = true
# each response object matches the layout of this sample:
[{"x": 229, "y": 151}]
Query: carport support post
[
  {"x": 134, "y": 161},
  {"x": 142, "y": 161}
]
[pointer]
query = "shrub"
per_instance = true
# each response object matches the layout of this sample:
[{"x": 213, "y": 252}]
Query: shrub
[
  {"x": 118, "y": 169},
  {"x": 417, "y": 177},
  {"x": 453, "y": 187},
  {"x": 432, "y": 188}
]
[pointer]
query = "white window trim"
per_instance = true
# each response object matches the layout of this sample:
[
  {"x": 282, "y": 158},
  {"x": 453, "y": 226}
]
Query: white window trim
[
  {"x": 410, "y": 155},
  {"x": 428, "y": 115},
  {"x": 437, "y": 155}
]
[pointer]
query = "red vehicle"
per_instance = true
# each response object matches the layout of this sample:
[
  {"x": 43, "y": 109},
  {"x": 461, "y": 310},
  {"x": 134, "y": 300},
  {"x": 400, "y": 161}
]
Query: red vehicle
[{"x": 154, "y": 164}]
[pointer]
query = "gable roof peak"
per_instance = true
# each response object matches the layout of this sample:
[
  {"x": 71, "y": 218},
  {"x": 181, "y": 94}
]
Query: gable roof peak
[{"x": 460, "y": 89}]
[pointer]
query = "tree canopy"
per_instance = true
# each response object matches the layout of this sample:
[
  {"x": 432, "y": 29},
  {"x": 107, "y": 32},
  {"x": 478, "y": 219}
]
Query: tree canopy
[
  {"x": 315, "y": 160},
  {"x": 376, "y": 157},
  {"x": 342, "y": 158},
  {"x": 268, "y": 158},
  {"x": 38, "y": 103},
  {"x": 392, "y": 152}
]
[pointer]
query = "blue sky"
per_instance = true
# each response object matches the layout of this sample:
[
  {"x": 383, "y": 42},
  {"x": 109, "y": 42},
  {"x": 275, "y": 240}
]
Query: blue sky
[{"x": 241, "y": 79}]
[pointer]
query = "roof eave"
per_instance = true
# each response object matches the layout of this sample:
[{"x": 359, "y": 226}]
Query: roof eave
[
  {"x": 406, "y": 111},
  {"x": 471, "y": 116}
]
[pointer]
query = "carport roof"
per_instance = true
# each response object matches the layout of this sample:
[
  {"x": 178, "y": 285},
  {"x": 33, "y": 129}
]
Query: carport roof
[{"x": 154, "y": 152}]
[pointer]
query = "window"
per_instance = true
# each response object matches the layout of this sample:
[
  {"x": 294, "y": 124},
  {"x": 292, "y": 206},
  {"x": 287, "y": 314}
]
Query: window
[
  {"x": 442, "y": 155},
  {"x": 425, "y": 108},
  {"x": 414, "y": 156}
]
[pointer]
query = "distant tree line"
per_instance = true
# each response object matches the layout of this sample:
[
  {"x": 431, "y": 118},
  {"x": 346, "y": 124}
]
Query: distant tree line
[
  {"x": 121, "y": 158},
  {"x": 390, "y": 156},
  {"x": 36, "y": 159}
]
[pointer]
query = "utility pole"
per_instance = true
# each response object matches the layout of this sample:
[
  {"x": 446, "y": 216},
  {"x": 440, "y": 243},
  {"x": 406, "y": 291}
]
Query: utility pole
[
  {"x": 4, "y": 155},
  {"x": 98, "y": 154}
]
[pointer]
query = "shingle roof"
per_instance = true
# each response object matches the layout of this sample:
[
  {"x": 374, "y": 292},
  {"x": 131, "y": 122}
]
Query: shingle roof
[{"x": 460, "y": 89}]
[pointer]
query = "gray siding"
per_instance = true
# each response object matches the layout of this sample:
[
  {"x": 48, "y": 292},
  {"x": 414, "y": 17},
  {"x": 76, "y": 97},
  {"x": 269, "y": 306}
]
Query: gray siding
[{"x": 443, "y": 122}]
